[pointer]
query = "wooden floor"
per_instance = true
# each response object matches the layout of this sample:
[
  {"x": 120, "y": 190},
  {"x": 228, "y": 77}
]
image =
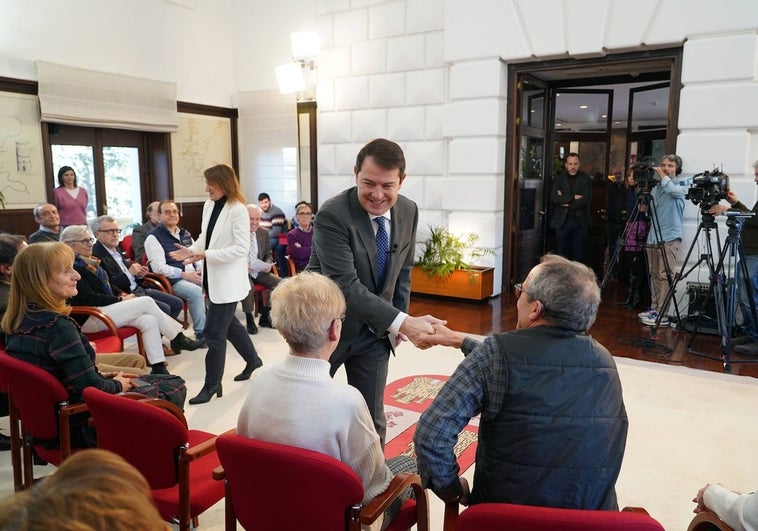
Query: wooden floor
[{"x": 616, "y": 327}]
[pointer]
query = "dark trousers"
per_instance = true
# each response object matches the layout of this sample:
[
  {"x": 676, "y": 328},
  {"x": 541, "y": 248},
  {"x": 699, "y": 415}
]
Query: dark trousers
[
  {"x": 220, "y": 325},
  {"x": 366, "y": 361},
  {"x": 571, "y": 240}
]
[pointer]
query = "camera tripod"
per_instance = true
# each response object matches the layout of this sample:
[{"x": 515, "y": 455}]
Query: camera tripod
[
  {"x": 722, "y": 282},
  {"x": 645, "y": 203},
  {"x": 731, "y": 261}
]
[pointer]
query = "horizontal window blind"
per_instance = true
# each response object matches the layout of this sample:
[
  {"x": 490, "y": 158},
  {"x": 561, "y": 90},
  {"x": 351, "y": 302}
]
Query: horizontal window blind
[{"x": 99, "y": 99}]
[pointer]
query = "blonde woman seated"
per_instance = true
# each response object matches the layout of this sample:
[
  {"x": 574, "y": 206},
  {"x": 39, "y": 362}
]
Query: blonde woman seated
[
  {"x": 297, "y": 403},
  {"x": 40, "y": 331},
  {"x": 93, "y": 489},
  {"x": 128, "y": 310}
]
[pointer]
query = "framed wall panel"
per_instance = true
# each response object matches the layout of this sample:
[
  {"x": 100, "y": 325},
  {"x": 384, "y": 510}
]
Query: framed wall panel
[
  {"x": 22, "y": 171},
  {"x": 200, "y": 142}
]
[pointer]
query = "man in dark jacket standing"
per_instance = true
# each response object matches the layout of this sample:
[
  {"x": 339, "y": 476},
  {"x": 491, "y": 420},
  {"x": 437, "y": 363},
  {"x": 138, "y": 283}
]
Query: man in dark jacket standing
[
  {"x": 553, "y": 424},
  {"x": 571, "y": 196}
]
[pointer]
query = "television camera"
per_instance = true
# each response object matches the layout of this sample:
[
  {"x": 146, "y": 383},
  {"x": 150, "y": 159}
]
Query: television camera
[{"x": 708, "y": 188}]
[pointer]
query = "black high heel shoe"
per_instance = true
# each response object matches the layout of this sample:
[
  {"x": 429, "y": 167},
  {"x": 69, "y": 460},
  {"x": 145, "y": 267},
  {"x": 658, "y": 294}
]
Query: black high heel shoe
[
  {"x": 249, "y": 368},
  {"x": 206, "y": 394}
]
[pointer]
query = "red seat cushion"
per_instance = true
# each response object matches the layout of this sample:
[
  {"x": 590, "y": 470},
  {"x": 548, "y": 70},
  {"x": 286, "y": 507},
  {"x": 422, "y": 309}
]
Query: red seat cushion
[{"x": 206, "y": 491}]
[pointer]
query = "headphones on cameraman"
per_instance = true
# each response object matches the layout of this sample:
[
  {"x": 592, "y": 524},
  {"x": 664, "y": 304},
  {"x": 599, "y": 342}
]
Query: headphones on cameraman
[{"x": 676, "y": 159}]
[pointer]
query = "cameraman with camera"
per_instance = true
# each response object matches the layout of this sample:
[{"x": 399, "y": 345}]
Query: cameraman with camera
[
  {"x": 665, "y": 235},
  {"x": 747, "y": 344}
]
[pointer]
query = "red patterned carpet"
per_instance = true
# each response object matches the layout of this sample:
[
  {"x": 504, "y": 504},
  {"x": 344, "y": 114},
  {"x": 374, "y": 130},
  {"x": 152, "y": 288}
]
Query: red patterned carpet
[{"x": 404, "y": 401}]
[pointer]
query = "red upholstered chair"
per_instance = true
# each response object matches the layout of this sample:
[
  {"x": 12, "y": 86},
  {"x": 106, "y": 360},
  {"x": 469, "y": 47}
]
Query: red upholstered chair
[
  {"x": 708, "y": 521},
  {"x": 274, "y": 486},
  {"x": 44, "y": 413},
  {"x": 177, "y": 462},
  {"x": 126, "y": 245},
  {"x": 15, "y": 431},
  {"x": 112, "y": 339},
  {"x": 511, "y": 517},
  {"x": 162, "y": 283}
]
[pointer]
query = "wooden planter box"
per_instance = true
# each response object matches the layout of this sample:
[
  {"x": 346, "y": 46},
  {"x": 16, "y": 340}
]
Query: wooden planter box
[{"x": 459, "y": 285}]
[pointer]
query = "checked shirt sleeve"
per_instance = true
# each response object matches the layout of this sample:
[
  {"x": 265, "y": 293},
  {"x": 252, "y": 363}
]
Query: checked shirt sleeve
[{"x": 460, "y": 399}]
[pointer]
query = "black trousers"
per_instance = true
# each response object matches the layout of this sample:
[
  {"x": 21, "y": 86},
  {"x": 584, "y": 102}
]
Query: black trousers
[{"x": 220, "y": 325}]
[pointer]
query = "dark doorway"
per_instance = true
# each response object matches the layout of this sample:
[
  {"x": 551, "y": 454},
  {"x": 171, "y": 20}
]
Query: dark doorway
[{"x": 613, "y": 110}]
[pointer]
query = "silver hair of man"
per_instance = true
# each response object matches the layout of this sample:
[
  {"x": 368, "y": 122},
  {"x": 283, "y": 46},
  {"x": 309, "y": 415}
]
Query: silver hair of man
[
  {"x": 98, "y": 222},
  {"x": 568, "y": 291}
]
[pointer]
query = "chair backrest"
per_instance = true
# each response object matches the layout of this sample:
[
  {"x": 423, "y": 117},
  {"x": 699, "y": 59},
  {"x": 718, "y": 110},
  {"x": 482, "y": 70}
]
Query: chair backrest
[
  {"x": 146, "y": 436},
  {"x": 126, "y": 245},
  {"x": 275, "y": 486},
  {"x": 37, "y": 395},
  {"x": 502, "y": 516}
]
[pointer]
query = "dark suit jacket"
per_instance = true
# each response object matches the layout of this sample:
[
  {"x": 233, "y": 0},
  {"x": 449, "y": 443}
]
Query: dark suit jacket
[
  {"x": 580, "y": 207},
  {"x": 344, "y": 249},
  {"x": 264, "y": 245},
  {"x": 116, "y": 276},
  {"x": 138, "y": 239}
]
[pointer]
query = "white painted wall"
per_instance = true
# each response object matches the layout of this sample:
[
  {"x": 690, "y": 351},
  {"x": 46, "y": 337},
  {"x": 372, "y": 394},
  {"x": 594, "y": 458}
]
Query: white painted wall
[
  {"x": 427, "y": 73},
  {"x": 188, "y": 42}
]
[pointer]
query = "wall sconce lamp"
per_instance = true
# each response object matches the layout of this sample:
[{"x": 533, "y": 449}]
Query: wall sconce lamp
[{"x": 300, "y": 75}]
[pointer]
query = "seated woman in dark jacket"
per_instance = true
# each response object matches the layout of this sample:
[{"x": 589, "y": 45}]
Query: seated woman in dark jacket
[{"x": 40, "y": 331}]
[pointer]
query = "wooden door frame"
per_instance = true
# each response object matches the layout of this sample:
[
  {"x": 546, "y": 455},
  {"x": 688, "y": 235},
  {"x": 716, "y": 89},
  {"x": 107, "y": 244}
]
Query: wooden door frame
[{"x": 671, "y": 56}]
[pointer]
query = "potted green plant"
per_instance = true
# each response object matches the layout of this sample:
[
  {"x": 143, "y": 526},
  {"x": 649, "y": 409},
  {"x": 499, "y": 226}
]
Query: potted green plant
[{"x": 443, "y": 267}]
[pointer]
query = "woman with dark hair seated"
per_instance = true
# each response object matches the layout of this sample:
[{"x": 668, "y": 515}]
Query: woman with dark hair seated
[{"x": 40, "y": 331}]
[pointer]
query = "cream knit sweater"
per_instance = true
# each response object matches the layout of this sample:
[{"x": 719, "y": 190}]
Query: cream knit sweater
[{"x": 297, "y": 403}]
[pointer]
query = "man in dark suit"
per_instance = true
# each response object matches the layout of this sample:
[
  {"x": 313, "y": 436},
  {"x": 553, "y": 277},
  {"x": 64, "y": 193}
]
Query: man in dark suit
[
  {"x": 346, "y": 249},
  {"x": 571, "y": 197},
  {"x": 139, "y": 234},
  {"x": 126, "y": 278},
  {"x": 260, "y": 261}
]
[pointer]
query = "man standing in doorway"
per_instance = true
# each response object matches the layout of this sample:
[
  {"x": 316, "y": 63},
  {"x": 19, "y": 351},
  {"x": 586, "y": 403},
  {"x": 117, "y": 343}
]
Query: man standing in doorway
[
  {"x": 364, "y": 239},
  {"x": 571, "y": 197}
]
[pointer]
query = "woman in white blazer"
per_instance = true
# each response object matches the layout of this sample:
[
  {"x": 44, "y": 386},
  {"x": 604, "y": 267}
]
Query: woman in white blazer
[{"x": 223, "y": 245}]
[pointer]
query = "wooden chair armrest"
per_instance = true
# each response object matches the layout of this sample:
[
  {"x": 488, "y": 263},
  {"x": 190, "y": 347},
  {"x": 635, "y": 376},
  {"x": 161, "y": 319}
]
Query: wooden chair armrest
[
  {"x": 379, "y": 504},
  {"x": 94, "y": 311},
  {"x": 707, "y": 521},
  {"x": 73, "y": 409},
  {"x": 168, "y": 406},
  {"x": 204, "y": 448},
  {"x": 291, "y": 265},
  {"x": 218, "y": 473},
  {"x": 158, "y": 281}
]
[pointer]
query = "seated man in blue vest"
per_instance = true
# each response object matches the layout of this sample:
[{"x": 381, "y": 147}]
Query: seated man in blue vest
[
  {"x": 553, "y": 425},
  {"x": 124, "y": 275},
  {"x": 186, "y": 279}
]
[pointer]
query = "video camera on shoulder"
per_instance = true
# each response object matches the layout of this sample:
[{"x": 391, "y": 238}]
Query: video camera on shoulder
[
  {"x": 644, "y": 175},
  {"x": 708, "y": 188}
]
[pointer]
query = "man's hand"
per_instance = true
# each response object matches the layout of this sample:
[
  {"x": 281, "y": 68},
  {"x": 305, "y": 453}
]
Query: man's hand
[
  {"x": 442, "y": 336},
  {"x": 186, "y": 255},
  {"x": 138, "y": 270},
  {"x": 192, "y": 276},
  {"x": 416, "y": 329}
]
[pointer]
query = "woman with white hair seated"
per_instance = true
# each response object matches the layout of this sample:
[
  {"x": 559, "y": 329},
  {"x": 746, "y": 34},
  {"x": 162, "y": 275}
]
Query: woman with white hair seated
[
  {"x": 297, "y": 402},
  {"x": 127, "y": 310}
]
